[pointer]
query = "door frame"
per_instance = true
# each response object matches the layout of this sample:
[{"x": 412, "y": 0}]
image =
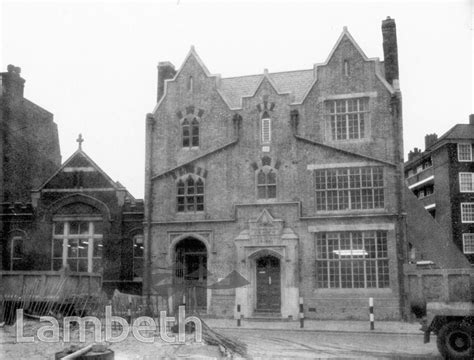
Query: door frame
[
  {"x": 256, "y": 281},
  {"x": 253, "y": 263}
]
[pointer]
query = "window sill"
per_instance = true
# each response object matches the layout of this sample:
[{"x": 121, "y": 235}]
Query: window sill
[
  {"x": 354, "y": 291},
  {"x": 190, "y": 148}
]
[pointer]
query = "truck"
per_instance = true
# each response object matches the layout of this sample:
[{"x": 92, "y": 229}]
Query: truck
[{"x": 453, "y": 324}]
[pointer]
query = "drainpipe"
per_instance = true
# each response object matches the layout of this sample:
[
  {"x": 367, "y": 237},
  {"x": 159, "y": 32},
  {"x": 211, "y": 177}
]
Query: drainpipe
[{"x": 150, "y": 126}]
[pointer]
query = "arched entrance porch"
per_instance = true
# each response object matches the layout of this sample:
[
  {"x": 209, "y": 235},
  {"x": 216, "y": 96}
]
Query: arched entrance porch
[{"x": 190, "y": 274}]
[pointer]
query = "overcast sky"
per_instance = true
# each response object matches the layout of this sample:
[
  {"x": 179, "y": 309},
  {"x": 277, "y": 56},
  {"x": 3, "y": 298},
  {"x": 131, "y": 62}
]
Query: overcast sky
[{"x": 93, "y": 64}]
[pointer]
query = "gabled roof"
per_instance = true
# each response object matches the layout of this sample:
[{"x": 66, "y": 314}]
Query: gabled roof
[
  {"x": 298, "y": 83},
  {"x": 457, "y": 132},
  {"x": 80, "y": 159}
]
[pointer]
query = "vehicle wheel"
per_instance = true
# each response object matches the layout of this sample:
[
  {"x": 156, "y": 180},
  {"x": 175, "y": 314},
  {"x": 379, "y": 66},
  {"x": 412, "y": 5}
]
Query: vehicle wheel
[{"x": 455, "y": 341}]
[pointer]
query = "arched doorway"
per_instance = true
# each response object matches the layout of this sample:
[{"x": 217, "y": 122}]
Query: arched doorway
[
  {"x": 268, "y": 284},
  {"x": 191, "y": 273}
]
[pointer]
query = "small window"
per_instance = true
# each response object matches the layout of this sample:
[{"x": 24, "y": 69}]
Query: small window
[
  {"x": 464, "y": 152},
  {"x": 266, "y": 183},
  {"x": 190, "y": 84},
  {"x": 346, "y": 68},
  {"x": 468, "y": 243},
  {"x": 266, "y": 129},
  {"x": 467, "y": 212},
  {"x": 138, "y": 256},
  {"x": 466, "y": 182},
  {"x": 16, "y": 253},
  {"x": 190, "y": 195}
]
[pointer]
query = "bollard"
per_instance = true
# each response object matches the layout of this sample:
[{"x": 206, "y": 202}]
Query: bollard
[
  {"x": 129, "y": 310},
  {"x": 301, "y": 313},
  {"x": 371, "y": 313},
  {"x": 238, "y": 315}
]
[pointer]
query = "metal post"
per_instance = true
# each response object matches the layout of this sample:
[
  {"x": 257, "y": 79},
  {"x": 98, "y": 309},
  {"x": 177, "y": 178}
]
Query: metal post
[
  {"x": 301, "y": 313},
  {"x": 371, "y": 313},
  {"x": 238, "y": 315}
]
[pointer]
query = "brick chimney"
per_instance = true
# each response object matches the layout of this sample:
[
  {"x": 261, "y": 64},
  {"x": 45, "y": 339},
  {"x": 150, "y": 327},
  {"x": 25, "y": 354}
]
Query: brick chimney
[
  {"x": 165, "y": 71},
  {"x": 430, "y": 139},
  {"x": 414, "y": 154},
  {"x": 12, "y": 83},
  {"x": 471, "y": 119},
  {"x": 390, "y": 51}
]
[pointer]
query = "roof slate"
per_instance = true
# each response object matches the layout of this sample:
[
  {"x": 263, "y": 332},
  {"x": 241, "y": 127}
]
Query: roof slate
[{"x": 296, "y": 83}]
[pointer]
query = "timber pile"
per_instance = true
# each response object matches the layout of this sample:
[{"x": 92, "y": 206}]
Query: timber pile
[{"x": 231, "y": 345}]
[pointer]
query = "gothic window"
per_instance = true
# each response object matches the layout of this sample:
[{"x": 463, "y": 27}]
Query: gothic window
[
  {"x": 138, "y": 256},
  {"x": 190, "y": 132},
  {"x": 266, "y": 183},
  {"x": 16, "y": 252},
  {"x": 78, "y": 245},
  {"x": 190, "y": 194},
  {"x": 266, "y": 129}
]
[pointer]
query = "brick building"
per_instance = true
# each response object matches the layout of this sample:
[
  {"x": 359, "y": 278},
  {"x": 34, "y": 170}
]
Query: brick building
[
  {"x": 293, "y": 179},
  {"x": 442, "y": 177},
  {"x": 53, "y": 216},
  {"x": 29, "y": 146}
]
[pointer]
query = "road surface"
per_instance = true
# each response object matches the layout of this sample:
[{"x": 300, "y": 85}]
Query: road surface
[{"x": 312, "y": 344}]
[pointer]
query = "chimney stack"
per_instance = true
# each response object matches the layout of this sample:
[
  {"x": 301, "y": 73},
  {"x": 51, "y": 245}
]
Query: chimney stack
[
  {"x": 430, "y": 139},
  {"x": 165, "y": 71},
  {"x": 12, "y": 83},
  {"x": 414, "y": 154},
  {"x": 390, "y": 51},
  {"x": 471, "y": 119}
]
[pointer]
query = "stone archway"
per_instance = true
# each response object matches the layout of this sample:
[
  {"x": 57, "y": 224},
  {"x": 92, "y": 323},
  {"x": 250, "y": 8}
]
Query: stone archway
[{"x": 190, "y": 273}]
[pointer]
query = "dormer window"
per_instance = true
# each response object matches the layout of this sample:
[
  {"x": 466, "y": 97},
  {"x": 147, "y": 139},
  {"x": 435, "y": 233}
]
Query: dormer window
[
  {"x": 266, "y": 129},
  {"x": 190, "y": 132}
]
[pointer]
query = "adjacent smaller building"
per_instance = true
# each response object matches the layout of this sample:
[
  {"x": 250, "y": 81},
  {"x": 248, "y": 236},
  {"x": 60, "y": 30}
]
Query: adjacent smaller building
[{"x": 442, "y": 177}]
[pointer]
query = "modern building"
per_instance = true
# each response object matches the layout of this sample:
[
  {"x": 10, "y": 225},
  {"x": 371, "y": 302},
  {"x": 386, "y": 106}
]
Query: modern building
[
  {"x": 442, "y": 177},
  {"x": 293, "y": 179}
]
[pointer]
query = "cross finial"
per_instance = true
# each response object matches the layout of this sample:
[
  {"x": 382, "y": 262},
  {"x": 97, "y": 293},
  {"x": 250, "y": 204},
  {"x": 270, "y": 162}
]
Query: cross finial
[{"x": 80, "y": 140}]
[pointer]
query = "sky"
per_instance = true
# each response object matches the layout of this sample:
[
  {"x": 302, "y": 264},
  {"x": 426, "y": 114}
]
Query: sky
[{"x": 93, "y": 64}]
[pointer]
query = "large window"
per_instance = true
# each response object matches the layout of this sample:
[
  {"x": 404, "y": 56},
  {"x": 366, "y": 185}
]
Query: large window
[
  {"x": 464, "y": 152},
  {"x": 356, "y": 259},
  {"x": 190, "y": 132},
  {"x": 190, "y": 194},
  {"x": 138, "y": 256},
  {"x": 78, "y": 245},
  {"x": 466, "y": 182},
  {"x": 347, "y": 118},
  {"x": 266, "y": 183},
  {"x": 349, "y": 188},
  {"x": 468, "y": 243},
  {"x": 467, "y": 212}
]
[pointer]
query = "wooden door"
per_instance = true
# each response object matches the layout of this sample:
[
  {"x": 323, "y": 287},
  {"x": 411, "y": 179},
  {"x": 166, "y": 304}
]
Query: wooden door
[{"x": 268, "y": 284}]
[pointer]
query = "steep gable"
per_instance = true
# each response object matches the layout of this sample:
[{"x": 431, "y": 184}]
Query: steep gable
[{"x": 79, "y": 171}]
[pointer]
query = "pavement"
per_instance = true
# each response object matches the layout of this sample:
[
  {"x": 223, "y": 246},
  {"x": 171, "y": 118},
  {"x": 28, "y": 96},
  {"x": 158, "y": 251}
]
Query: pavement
[{"x": 349, "y": 326}]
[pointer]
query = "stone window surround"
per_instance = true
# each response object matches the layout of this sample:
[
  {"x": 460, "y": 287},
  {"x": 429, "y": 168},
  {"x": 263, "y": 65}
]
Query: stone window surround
[
  {"x": 191, "y": 120},
  {"x": 349, "y": 166},
  {"x": 367, "y": 121},
  {"x": 378, "y": 263},
  {"x": 266, "y": 169},
  {"x": 468, "y": 243},
  {"x": 91, "y": 237}
]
